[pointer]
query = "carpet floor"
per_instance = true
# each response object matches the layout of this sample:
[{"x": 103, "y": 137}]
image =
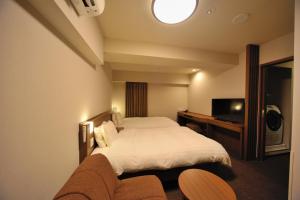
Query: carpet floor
[{"x": 257, "y": 180}]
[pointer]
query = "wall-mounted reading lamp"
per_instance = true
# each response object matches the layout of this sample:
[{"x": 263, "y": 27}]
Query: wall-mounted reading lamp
[
  {"x": 87, "y": 128},
  {"x": 86, "y": 139}
]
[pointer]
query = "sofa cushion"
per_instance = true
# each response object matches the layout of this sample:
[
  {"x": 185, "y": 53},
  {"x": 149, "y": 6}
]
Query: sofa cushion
[
  {"x": 142, "y": 187},
  {"x": 84, "y": 185},
  {"x": 99, "y": 164}
]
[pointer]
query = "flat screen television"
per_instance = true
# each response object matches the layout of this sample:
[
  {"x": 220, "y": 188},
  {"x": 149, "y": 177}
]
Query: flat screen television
[{"x": 232, "y": 110}]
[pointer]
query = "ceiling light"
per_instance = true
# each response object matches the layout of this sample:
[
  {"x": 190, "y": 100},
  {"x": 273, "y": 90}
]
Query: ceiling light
[
  {"x": 173, "y": 11},
  {"x": 195, "y": 70}
]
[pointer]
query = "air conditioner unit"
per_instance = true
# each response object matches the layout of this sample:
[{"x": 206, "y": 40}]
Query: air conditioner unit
[{"x": 89, "y": 7}]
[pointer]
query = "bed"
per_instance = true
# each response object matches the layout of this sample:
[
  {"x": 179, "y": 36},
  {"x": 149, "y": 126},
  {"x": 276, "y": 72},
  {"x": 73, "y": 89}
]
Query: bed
[
  {"x": 147, "y": 122},
  {"x": 163, "y": 150},
  {"x": 160, "y": 149}
]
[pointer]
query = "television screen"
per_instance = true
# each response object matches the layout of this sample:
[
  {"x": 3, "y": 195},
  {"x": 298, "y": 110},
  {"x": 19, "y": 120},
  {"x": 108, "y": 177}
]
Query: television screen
[{"x": 232, "y": 110}]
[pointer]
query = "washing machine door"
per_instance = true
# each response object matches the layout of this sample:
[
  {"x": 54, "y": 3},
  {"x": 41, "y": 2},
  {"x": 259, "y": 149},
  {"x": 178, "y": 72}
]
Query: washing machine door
[{"x": 274, "y": 120}]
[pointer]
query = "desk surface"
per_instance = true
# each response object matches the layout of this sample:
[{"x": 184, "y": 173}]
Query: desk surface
[
  {"x": 197, "y": 184},
  {"x": 197, "y": 115},
  {"x": 211, "y": 120}
]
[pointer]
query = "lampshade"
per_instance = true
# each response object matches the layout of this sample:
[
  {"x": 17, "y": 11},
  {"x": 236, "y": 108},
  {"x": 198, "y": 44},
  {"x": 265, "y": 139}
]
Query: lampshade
[{"x": 173, "y": 11}]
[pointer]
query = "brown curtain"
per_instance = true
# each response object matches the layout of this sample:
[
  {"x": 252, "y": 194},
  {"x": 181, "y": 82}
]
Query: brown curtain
[{"x": 136, "y": 99}]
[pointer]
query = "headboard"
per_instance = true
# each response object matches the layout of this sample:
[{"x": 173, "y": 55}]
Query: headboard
[{"x": 86, "y": 140}]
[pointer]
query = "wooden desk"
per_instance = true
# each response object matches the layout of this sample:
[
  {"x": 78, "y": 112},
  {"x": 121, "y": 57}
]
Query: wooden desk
[
  {"x": 230, "y": 135},
  {"x": 196, "y": 184}
]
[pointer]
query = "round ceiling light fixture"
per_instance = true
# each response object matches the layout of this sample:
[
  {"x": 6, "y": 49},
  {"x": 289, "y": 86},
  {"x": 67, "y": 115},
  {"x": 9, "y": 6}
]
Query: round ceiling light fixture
[{"x": 173, "y": 11}]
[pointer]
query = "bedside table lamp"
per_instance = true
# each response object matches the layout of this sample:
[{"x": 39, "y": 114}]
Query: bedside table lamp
[{"x": 114, "y": 109}]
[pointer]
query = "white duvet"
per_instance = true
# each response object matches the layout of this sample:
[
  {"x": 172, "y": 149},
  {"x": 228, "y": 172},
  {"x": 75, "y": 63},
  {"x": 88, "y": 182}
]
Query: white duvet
[
  {"x": 161, "y": 148},
  {"x": 147, "y": 122}
]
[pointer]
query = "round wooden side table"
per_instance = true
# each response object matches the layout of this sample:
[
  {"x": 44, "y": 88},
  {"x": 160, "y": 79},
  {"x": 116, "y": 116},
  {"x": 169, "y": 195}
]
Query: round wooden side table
[{"x": 197, "y": 184}]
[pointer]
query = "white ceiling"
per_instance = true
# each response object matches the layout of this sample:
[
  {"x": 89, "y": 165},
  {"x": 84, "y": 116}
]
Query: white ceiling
[{"x": 133, "y": 20}]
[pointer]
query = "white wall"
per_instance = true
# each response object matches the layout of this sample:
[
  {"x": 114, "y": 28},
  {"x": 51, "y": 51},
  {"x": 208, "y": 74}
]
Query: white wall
[
  {"x": 46, "y": 90},
  {"x": 165, "y": 100},
  {"x": 87, "y": 27},
  {"x": 82, "y": 33},
  {"x": 295, "y": 152},
  {"x": 143, "y": 53},
  {"x": 206, "y": 85},
  {"x": 150, "y": 77},
  {"x": 281, "y": 47},
  {"x": 166, "y": 92},
  {"x": 118, "y": 97}
]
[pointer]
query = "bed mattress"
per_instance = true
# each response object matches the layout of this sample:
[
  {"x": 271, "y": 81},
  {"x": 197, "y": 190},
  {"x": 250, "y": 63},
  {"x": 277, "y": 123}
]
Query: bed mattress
[{"x": 162, "y": 148}]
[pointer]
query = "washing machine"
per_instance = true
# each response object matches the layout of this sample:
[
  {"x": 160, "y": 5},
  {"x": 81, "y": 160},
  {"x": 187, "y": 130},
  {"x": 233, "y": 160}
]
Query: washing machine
[{"x": 274, "y": 126}]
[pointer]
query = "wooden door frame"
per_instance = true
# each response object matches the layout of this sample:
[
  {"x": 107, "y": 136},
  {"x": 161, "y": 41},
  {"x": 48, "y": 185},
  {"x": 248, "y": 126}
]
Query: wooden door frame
[
  {"x": 251, "y": 103},
  {"x": 261, "y": 126}
]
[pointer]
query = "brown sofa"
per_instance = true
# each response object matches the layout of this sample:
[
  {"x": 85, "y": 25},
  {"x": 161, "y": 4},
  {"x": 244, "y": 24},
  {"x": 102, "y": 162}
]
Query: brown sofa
[{"x": 95, "y": 179}]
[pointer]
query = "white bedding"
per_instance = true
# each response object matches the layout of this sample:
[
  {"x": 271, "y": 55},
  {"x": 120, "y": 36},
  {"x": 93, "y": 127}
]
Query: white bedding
[
  {"x": 147, "y": 122},
  {"x": 161, "y": 148}
]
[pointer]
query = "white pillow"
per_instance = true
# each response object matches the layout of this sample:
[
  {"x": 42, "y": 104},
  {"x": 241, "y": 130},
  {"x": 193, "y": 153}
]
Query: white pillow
[
  {"x": 98, "y": 133},
  {"x": 110, "y": 132}
]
